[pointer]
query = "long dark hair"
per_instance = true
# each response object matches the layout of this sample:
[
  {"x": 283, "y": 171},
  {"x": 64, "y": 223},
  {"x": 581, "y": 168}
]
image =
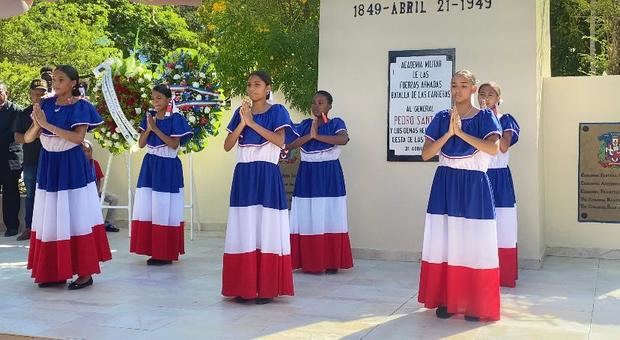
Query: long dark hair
[{"x": 73, "y": 74}]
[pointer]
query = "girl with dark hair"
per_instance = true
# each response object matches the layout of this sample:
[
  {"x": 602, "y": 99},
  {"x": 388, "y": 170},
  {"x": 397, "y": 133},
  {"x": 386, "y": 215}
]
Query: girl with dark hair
[
  {"x": 157, "y": 222},
  {"x": 489, "y": 95},
  {"x": 68, "y": 236},
  {"x": 319, "y": 228},
  {"x": 257, "y": 256},
  {"x": 460, "y": 268}
]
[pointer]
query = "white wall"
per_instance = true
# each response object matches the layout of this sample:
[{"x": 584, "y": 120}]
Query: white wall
[
  {"x": 387, "y": 200},
  {"x": 568, "y": 102}
]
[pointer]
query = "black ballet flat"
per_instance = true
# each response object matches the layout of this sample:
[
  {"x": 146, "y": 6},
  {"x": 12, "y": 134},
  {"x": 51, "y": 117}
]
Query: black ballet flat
[
  {"x": 75, "y": 286},
  {"x": 262, "y": 301},
  {"x": 239, "y": 299},
  {"x": 442, "y": 313},
  {"x": 156, "y": 262},
  {"x": 51, "y": 284},
  {"x": 472, "y": 318}
]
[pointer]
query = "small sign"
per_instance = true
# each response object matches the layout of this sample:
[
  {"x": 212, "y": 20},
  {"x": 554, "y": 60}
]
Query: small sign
[
  {"x": 599, "y": 172},
  {"x": 418, "y": 87}
]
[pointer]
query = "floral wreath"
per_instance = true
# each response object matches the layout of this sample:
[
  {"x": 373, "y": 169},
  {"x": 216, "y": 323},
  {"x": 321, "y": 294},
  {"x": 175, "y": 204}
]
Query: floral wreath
[
  {"x": 195, "y": 91},
  {"x": 196, "y": 94}
]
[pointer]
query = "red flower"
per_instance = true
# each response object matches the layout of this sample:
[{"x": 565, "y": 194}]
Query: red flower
[{"x": 204, "y": 121}]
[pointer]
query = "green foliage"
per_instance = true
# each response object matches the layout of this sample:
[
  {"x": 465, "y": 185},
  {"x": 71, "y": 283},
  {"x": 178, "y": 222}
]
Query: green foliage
[
  {"x": 281, "y": 37},
  {"x": 17, "y": 78},
  {"x": 568, "y": 31},
  {"x": 571, "y": 37},
  {"x": 57, "y": 33}
]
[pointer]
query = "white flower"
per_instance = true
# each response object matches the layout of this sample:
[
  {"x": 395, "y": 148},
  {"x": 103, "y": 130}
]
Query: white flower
[
  {"x": 142, "y": 89},
  {"x": 192, "y": 119},
  {"x": 198, "y": 97},
  {"x": 117, "y": 145},
  {"x": 107, "y": 143},
  {"x": 178, "y": 66},
  {"x": 202, "y": 75},
  {"x": 138, "y": 110},
  {"x": 195, "y": 84},
  {"x": 206, "y": 109},
  {"x": 140, "y": 80},
  {"x": 143, "y": 95},
  {"x": 108, "y": 134},
  {"x": 117, "y": 130},
  {"x": 176, "y": 77},
  {"x": 115, "y": 135}
]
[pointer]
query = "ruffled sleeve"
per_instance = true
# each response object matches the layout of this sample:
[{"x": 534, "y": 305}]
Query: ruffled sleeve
[
  {"x": 234, "y": 121},
  {"x": 84, "y": 113},
  {"x": 339, "y": 125},
  {"x": 438, "y": 126},
  {"x": 303, "y": 128},
  {"x": 509, "y": 123},
  {"x": 181, "y": 128},
  {"x": 142, "y": 126},
  {"x": 282, "y": 120},
  {"x": 489, "y": 125}
]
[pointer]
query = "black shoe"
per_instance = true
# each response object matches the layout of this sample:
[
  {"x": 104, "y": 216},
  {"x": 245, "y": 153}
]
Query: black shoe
[
  {"x": 262, "y": 301},
  {"x": 472, "y": 318},
  {"x": 51, "y": 284},
  {"x": 156, "y": 262},
  {"x": 111, "y": 227},
  {"x": 442, "y": 313},
  {"x": 75, "y": 286},
  {"x": 239, "y": 299},
  {"x": 9, "y": 233},
  {"x": 331, "y": 271}
]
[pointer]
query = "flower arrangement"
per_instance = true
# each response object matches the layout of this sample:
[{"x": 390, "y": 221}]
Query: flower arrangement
[
  {"x": 196, "y": 93},
  {"x": 195, "y": 90},
  {"x": 132, "y": 83}
]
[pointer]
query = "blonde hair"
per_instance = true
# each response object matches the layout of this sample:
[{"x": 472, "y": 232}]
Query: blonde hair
[
  {"x": 493, "y": 85},
  {"x": 467, "y": 74}
]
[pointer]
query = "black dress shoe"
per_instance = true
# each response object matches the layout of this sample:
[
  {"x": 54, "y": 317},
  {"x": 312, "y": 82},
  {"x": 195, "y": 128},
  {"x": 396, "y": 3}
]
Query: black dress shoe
[
  {"x": 51, "y": 284},
  {"x": 10, "y": 233},
  {"x": 331, "y": 271},
  {"x": 472, "y": 318},
  {"x": 262, "y": 301},
  {"x": 75, "y": 286},
  {"x": 442, "y": 313}
]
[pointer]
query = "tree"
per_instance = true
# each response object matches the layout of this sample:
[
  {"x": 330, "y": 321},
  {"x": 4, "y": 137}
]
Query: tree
[
  {"x": 281, "y": 37},
  {"x": 17, "y": 78},
  {"x": 569, "y": 30},
  {"x": 52, "y": 33},
  {"x": 152, "y": 30},
  {"x": 607, "y": 18},
  {"x": 57, "y": 33},
  {"x": 571, "y": 36}
]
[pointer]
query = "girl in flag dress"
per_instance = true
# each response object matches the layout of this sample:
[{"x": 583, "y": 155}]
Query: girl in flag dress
[
  {"x": 319, "y": 230},
  {"x": 157, "y": 222},
  {"x": 68, "y": 236},
  {"x": 257, "y": 255},
  {"x": 459, "y": 268},
  {"x": 489, "y": 95}
]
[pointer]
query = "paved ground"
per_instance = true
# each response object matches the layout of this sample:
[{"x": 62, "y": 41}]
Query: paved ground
[{"x": 568, "y": 299}]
